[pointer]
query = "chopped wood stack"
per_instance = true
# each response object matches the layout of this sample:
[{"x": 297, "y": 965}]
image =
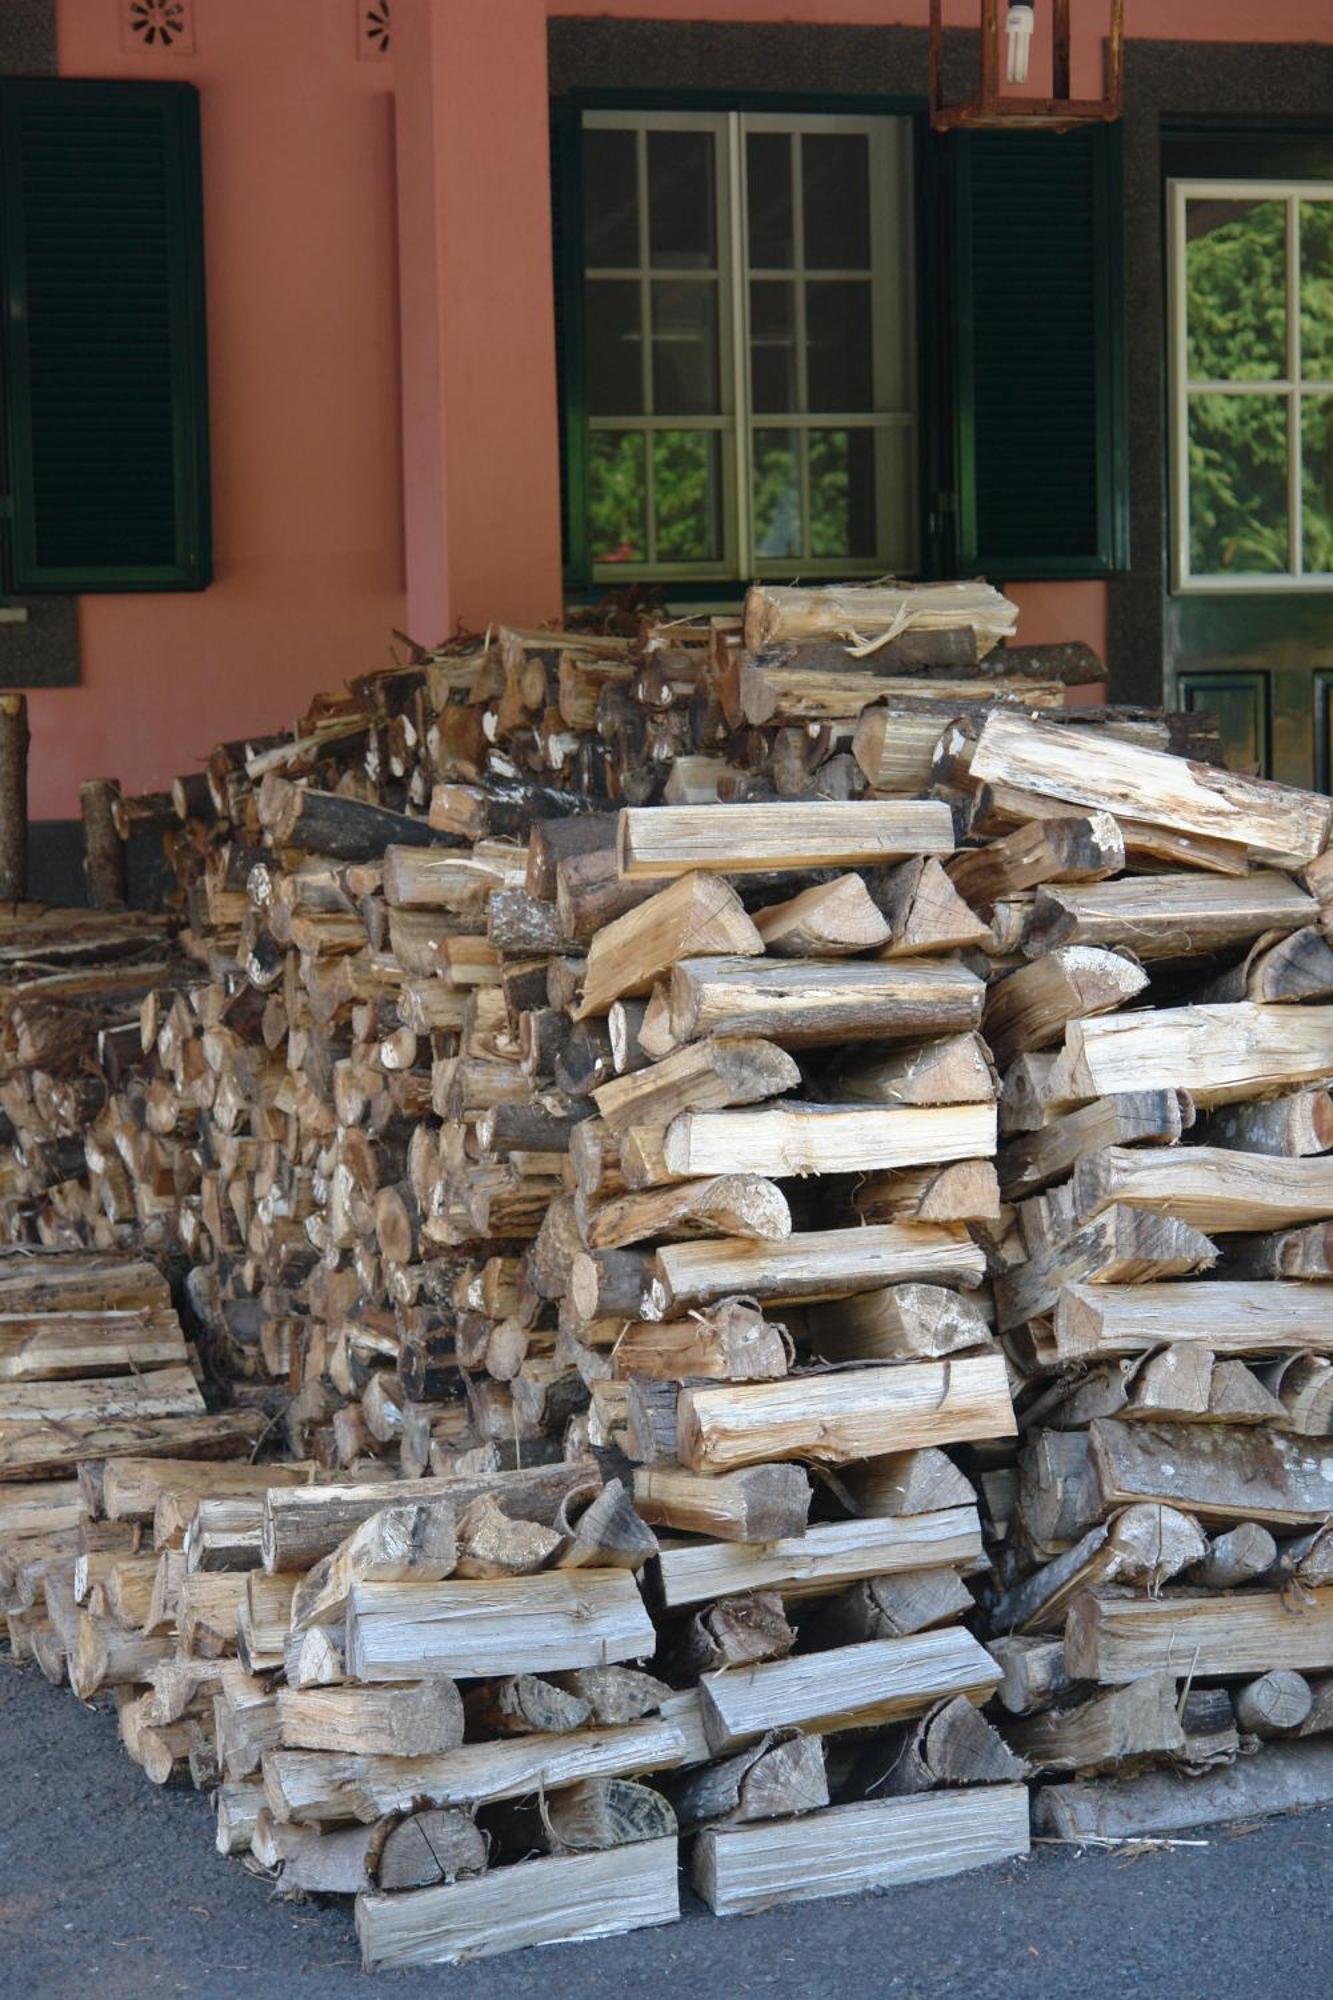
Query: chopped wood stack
[{"x": 639, "y": 1110}]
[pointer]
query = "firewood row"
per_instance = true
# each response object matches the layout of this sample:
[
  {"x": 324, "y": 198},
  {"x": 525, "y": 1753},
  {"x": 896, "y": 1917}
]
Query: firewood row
[{"x": 641, "y": 1113}]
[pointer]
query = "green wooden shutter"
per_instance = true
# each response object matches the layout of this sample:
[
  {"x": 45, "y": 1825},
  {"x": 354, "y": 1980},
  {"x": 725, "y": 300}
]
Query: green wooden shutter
[
  {"x": 105, "y": 389},
  {"x": 1039, "y": 403}
]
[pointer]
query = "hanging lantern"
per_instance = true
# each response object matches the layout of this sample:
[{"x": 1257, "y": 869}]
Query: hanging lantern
[{"x": 1007, "y": 32}]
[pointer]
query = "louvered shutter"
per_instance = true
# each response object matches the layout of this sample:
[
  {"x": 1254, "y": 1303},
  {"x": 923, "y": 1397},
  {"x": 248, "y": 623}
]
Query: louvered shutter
[
  {"x": 1038, "y": 391},
  {"x": 105, "y": 391}
]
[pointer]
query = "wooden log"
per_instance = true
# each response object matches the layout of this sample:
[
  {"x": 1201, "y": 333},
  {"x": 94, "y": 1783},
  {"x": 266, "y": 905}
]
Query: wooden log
[
  {"x": 35, "y": 1348},
  {"x": 100, "y": 1400},
  {"x": 417, "y": 1539},
  {"x": 665, "y": 841},
  {"x": 1275, "y": 822},
  {"x": 781, "y": 1776},
  {"x": 418, "y": 1849},
  {"x": 776, "y": 614},
  {"x": 305, "y": 1523},
  {"x": 822, "y": 1558},
  {"x": 13, "y": 798},
  {"x": 1276, "y": 1704},
  {"x": 826, "y": 1138},
  {"x": 824, "y": 1264},
  {"x": 1115, "y": 1639},
  {"x": 525, "y": 1624},
  {"x": 705, "y": 1076},
  {"x": 952, "y": 1744},
  {"x": 322, "y": 1788},
  {"x": 956, "y": 1069},
  {"x": 925, "y": 912},
  {"x": 1080, "y": 848},
  {"x": 1217, "y": 1472},
  {"x": 1137, "y": 1720},
  {"x": 850, "y": 1687},
  {"x": 103, "y": 848},
  {"x": 1033, "y": 1160},
  {"x": 760, "y": 1503},
  {"x": 1034, "y": 1671},
  {"x": 834, "y": 1418},
  {"x": 524, "y": 1704},
  {"x": 1213, "y": 1187},
  {"x": 813, "y": 1003},
  {"x": 697, "y": 914},
  {"x": 1219, "y": 1054},
  {"x": 907, "y": 1482},
  {"x": 1238, "y": 1317},
  {"x": 1236, "y": 1556},
  {"x": 898, "y": 1323},
  {"x": 875, "y": 1844},
  {"x": 133, "y": 1489},
  {"x": 1289, "y": 1127},
  {"x": 729, "y": 1204},
  {"x": 731, "y": 1343},
  {"x": 892, "y": 1607},
  {"x": 1287, "y": 1777},
  {"x": 1122, "y": 1245},
  {"x": 832, "y": 920},
  {"x": 1031, "y": 1008},
  {"x": 1169, "y": 916},
  {"x": 1145, "y": 1544},
  {"x": 553, "y": 1900},
  {"x": 420, "y": 1721}
]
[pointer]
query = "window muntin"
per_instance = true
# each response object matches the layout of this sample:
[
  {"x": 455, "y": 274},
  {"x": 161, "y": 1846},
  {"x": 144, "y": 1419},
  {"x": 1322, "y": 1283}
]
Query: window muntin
[
  {"x": 1251, "y": 304},
  {"x": 750, "y": 369}
]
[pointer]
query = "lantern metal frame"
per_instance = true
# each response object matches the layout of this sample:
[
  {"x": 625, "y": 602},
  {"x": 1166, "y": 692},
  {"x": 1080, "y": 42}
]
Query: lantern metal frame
[{"x": 992, "y": 110}]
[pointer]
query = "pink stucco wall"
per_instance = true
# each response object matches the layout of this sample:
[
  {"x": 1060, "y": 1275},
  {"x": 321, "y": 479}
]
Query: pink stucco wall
[
  {"x": 354, "y": 245},
  {"x": 303, "y": 387}
]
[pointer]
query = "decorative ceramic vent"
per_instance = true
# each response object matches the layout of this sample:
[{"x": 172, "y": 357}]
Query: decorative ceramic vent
[
  {"x": 164, "y": 26},
  {"x": 372, "y": 29}
]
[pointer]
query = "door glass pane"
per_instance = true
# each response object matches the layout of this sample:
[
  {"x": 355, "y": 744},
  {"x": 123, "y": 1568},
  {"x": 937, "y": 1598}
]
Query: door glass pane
[
  {"x": 777, "y": 494},
  {"x": 615, "y": 369},
  {"x": 768, "y": 199},
  {"x": 687, "y": 496},
  {"x": 773, "y": 386},
  {"x": 1317, "y": 482},
  {"x": 842, "y": 493},
  {"x": 1236, "y": 291},
  {"x": 685, "y": 375},
  {"x": 682, "y": 201},
  {"x": 610, "y": 199},
  {"x": 1317, "y": 291},
  {"x": 839, "y": 348},
  {"x": 835, "y": 200},
  {"x": 617, "y": 510},
  {"x": 1237, "y": 484}
]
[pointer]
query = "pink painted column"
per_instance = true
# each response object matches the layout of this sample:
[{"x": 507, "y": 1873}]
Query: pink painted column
[{"x": 480, "y": 425}]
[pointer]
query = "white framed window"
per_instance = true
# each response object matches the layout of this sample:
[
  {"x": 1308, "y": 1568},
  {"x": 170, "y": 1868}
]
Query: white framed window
[
  {"x": 1250, "y": 283},
  {"x": 750, "y": 366}
]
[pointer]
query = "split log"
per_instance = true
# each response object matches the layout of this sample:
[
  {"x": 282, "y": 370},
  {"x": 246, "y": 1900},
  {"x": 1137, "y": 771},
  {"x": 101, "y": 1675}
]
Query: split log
[
  {"x": 705, "y": 1076},
  {"x": 1081, "y": 848},
  {"x": 696, "y": 914},
  {"x": 1132, "y": 1118},
  {"x": 850, "y": 1687},
  {"x": 953, "y": 1070},
  {"x": 832, "y": 920},
  {"x": 826, "y": 1264},
  {"x": 1114, "y": 1639},
  {"x": 875, "y": 1844},
  {"x": 760, "y": 1503},
  {"x": 898, "y": 1323},
  {"x": 665, "y": 841},
  {"x": 826, "y": 1138},
  {"x": 420, "y": 1721},
  {"x": 1217, "y": 1053},
  {"x": 1169, "y": 916},
  {"x": 1217, "y": 1472},
  {"x": 953, "y": 1745},
  {"x": 825, "y": 1556},
  {"x": 1228, "y": 1317},
  {"x": 1137, "y": 1720},
  {"x": 1031, "y": 1008},
  {"x": 811, "y": 1002},
  {"x": 781, "y": 1776},
  {"x": 525, "y": 1624},
  {"x": 1212, "y": 1187}
]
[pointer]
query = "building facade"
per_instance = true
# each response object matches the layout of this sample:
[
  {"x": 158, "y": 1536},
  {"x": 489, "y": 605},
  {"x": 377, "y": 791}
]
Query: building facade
[{"x": 464, "y": 308}]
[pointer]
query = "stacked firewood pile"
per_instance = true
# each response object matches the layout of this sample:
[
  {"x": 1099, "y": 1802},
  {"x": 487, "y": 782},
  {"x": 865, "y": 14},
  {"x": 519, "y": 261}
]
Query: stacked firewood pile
[{"x": 642, "y": 1112}]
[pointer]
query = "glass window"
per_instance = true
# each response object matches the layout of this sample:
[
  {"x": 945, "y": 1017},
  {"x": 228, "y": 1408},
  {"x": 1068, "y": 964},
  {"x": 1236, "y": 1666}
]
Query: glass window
[
  {"x": 748, "y": 299},
  {"x": 1251, "y": 267}
]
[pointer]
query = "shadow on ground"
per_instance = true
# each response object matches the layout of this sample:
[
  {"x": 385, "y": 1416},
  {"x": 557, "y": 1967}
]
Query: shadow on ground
[{"x": 112, "y": 1890}]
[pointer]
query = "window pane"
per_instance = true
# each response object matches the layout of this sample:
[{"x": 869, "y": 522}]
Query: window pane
[
  {"x": 835, "y": 200},
  {"x": 610, "y": 198},
  {"x": 687, "y": 496},
  {"x": 1317, "y": 482},
  {"x": 773, "y": 346},
  {"x": 838, "y": 345},
  {"x": 682, "y": 201},
  {"x": 685, "y": 380},
  {"x": 1235, "y": 291},
  {"x": 617, "y": 514},
  {"x": 842, "y": 493},
  {"x": 1317, "y": 290},
  {"x": 777, "y": 494},
  {"x": 1238, "y": 485},
  {"x": 768, "y": 194},
  {"x": 615, "y": 370}
]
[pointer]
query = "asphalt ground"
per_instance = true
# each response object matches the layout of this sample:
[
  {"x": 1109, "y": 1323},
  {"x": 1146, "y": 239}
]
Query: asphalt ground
[{"x": 111, "y": 1889}]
